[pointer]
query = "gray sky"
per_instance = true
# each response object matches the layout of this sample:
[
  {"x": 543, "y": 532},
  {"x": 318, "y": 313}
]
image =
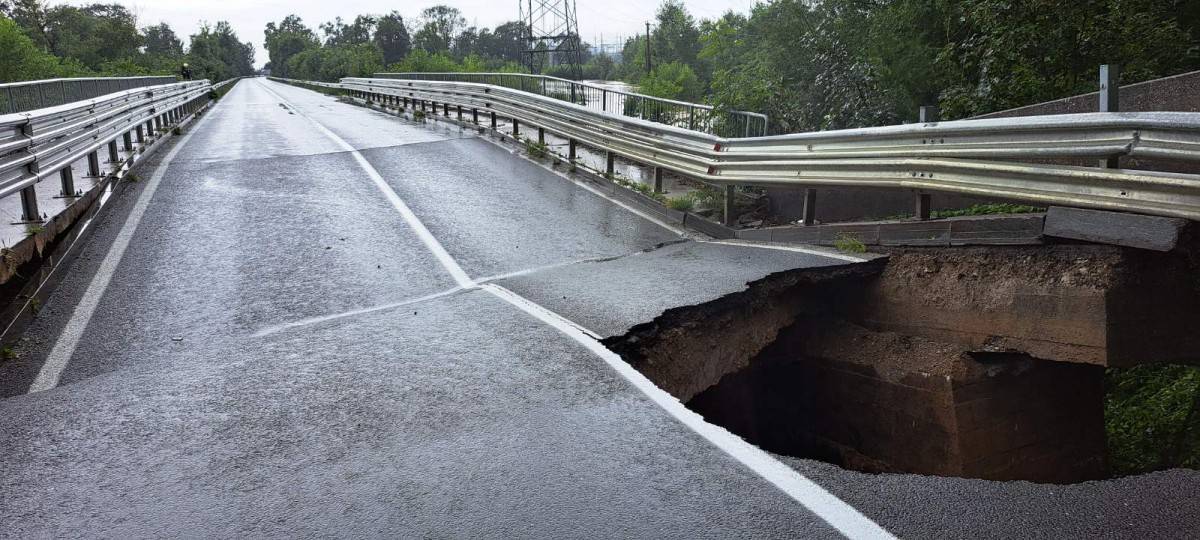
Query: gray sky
[{"x": 610, "y": 18}]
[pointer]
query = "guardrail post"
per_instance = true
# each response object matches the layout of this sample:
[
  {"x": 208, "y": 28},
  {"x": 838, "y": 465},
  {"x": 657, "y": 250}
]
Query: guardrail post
[
  {"x": 67, "y": 176},
  {"x": 113, "y": 156},
  {"x": 475, "y": 116},
  {"x": 810, "y": 207},
  {"x": 141, "y": 134},
  {"x": 728, "y": 210},
  {"x": 94, "y": 164},
  {"x": 571, "y": 151},
  {"x": 1110, "y": 101},
  {"x": 927, "y": 114},
  {"x": 127, "y": 141},
  {"x": 446, "y": 110},
  {"x": 493, "y": 120},
  {"x": 516, "y": 129},
  {"x": 658, "y": 177},
  {"x": 29, "y": 206},
  {"x": 459, "y": 112},
  {"x": 541, "y": 136},
  {"x": 610, "y": 162}
]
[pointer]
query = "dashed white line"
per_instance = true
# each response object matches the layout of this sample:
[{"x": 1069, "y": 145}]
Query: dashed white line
[{"x": 841, "y": 516}]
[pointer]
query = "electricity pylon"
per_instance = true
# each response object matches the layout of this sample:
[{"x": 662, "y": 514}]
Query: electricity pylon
[{"x": 551, "y": 35}]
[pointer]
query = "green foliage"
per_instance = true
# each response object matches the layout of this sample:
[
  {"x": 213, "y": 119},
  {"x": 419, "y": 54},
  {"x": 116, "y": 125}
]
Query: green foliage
[
  {"x": 985, "y": 209},
  {"x": 216, "y": 54},
  {"x": 331, "y": 63},
  {"x": 285, "y": 40},
  {"x": 849, "y": 243},
  {"x": 535, "y": 149},
  {"x": 1152, "y": 416},
  {"x": 683, "y": 203},
  {"x": 672, "y": 80},
  {"x": 22, "y": 60},
  {"x": 391, "y": 37}
]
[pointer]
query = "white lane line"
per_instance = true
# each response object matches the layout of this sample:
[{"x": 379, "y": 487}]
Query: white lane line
[
  {"x": 68, "y": 340},
  {"x": 841, "y": 516},
  {"x": 789, "y": 247},
  {"x": 382, "y": 307},
  {"x": 427, "y": 238},
  {"x": 824, "y": 505}
]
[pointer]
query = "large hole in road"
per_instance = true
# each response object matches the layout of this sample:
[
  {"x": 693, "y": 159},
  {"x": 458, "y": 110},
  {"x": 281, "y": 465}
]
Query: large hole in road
[{"x": 794, "y": 365}]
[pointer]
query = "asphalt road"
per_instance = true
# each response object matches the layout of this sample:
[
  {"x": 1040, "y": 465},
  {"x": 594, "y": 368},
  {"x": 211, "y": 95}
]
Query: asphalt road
[{"x": 317, "y": 320}]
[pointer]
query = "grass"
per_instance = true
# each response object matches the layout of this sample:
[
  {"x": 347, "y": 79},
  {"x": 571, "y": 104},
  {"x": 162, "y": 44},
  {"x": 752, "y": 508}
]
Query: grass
[
  {"x": 987, "y": 209},
  {"x": 1152, "y": 418},
  {"x": 684, "y": 203},
  {"x": 131, "y": 177},
  {"x": 7, "y": 353},
  {"x": 644, "y": 189},
  {"x": 34, "y": 229},
  {"x": 535, "y": 150},
  {"x": 176, "y": 131},
  {"x": 418, "y": 114},
  {"x": 849, "y": 243}
]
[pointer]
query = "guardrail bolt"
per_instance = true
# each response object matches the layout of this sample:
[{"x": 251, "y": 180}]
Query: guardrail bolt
[
  {"x": 29, "y": 205},
  {"x": 67, "y": 176},
  {"x": 113, "y": 156},
  {"x": 924, "y": 201},
  {"x": 810, "y": 207},
  {"x": 658, "y": 174},
  {"x": 94, "y": 164},
  {"x": 610, "y": 160}
]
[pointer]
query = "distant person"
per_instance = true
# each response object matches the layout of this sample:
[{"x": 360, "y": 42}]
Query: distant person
[{"x": 185, "y": 72}]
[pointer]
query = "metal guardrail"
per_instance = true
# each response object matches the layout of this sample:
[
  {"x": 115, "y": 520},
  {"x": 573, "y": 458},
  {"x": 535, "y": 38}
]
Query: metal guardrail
[
  {"x": 37, "y": 144},
  {"x": 997, "y": 158},
  {"x": 29, "y": 95},
  {"x": 682, "y": 114}
]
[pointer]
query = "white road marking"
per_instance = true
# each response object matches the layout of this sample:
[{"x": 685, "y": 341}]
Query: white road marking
[
  {"x": 382, "y": 307},
  {"x": 68, "y": 340},
  {"x": 427, "y": 238},
  {"x": 790, "y": 247},
  {"x": 841, "y": 516}
]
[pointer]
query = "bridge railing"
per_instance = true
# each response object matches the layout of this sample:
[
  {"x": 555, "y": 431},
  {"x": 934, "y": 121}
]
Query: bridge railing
[
  {"x": 993, "y": 158},
  {"x": 29, "y": 95},
  {"x": 682, "y": 114},
  {"x": 37, "y": 144}
]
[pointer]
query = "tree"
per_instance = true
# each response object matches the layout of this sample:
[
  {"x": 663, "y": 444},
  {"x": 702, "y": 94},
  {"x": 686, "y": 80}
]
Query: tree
[
  {"x": 356, "y": 33},
  {"x": 675, "y": 38},
  {"x": 287, "y": 39},
  {"x": 672, "y": 80},
  {"x": 391, "y": 37},
  {"x": 439, "y": 26},
  {"x": 161, "y": 40},
  {"x": 216, "y": 54},
  {"x": 22, "y": 59}
]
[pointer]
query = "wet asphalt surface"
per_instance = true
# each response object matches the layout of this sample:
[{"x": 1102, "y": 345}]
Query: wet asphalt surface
[{"x": 280, "y": 355}]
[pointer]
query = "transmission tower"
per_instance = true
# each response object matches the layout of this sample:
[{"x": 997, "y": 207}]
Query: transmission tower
[{"x": 551, "y": 35}]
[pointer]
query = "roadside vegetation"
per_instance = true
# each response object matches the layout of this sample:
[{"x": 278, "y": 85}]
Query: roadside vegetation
[
  {"x": 1152, "y": 416},
  {"x": 42, "y": 41}
]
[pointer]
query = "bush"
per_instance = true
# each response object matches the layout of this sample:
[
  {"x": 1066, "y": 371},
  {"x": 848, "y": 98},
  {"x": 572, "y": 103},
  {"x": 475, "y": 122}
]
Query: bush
[
  {"x": 849, "y": 244},
  {"x": 683, "y": 204}
]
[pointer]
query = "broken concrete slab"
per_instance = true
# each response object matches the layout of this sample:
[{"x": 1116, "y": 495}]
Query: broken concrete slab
[{"x": 1116, "y": 228}]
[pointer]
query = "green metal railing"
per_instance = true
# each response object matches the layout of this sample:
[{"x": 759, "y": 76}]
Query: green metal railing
[{"x": 27, "y": 96}]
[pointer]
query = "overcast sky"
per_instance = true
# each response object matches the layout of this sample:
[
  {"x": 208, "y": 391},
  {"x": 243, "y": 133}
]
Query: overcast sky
[{"x": 607, "y": 18}]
